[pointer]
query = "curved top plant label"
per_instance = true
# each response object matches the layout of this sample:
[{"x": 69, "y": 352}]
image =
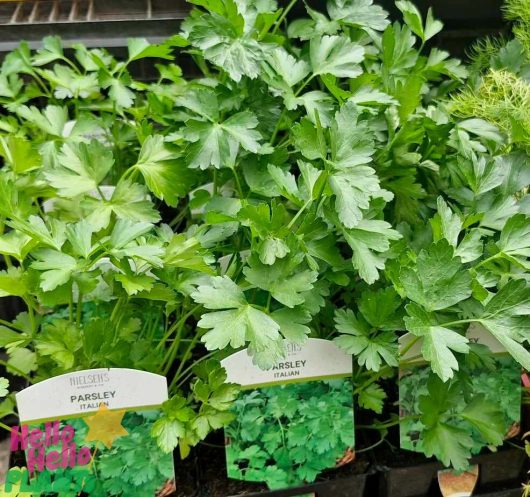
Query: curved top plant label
[
  {"x": 84, "y": 391},
  {"x": 316, "y": 359},
  {"x": 294, "y": 420},
  {"x": 90, "y": 431}
]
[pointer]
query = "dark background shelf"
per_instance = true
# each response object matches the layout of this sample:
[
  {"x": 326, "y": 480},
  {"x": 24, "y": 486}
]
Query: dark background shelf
[{"x": 108, "y": 23}]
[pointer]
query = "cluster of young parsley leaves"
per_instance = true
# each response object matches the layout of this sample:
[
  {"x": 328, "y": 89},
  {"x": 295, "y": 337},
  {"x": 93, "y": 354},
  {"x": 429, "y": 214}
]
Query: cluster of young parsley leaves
[{"x": 311, "y": 182}]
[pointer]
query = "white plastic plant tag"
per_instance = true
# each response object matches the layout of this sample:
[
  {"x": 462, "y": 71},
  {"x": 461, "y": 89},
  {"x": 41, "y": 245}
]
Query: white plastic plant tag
[
  {"x": 294, "y": 420},
  {"x": 90, "y": 431}
]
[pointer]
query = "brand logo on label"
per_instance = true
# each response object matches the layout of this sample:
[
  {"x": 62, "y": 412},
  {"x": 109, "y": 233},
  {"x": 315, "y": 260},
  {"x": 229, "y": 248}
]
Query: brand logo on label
[{"x": 89, "y": 379}]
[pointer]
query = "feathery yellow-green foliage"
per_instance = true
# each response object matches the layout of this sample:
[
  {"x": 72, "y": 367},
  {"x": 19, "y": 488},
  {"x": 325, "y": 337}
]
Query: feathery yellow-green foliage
[
  {"x": 501, "y": 98},
  {"x": 519, "y": 12}
]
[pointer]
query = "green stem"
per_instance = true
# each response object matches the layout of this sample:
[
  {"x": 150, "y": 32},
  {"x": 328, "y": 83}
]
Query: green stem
[
  {"x": 411, "y": 344},
  {"x": 283, "y": 16},
  {"x": 79, "y": 309},
  {"x": 277, "y": 127},
  {"x": 373, "y": 379},
  {"x": 388, "y": 424},
  {"x": 238, "y": 183},
  {"x": 299, "y": 213},
  {"x": 182, "y": 377},
  {"x": 5, "y": 427},
  {"x": 176, "y": 324},
  {"x": 187, "y": 354},
  {"x": 461, "y": 321},
  {"x": 11, "y": 325},
  {"x": 370, "y": 447},
  {"x": 173, "y": 349},
  {"x": 304, "y": 84},
  {"x": 71, "y": 306},
  {"x": 489, "y": 259}
]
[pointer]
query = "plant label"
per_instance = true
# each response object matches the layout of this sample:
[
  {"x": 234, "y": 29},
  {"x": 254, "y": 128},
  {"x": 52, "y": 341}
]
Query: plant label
[
  {"x": 90, "y": 431},
  {"x": 454, "y": 484},
  {"x": 478, "y": 407},
  {"x": 294, "y": 420}
]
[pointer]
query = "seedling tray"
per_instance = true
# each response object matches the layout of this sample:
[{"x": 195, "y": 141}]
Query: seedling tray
[
  {"x": 353, "y": 486},
  {"x": 421, "y": 479}
]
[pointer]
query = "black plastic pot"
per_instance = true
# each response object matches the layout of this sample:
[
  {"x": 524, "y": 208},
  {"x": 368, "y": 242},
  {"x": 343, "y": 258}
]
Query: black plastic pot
[
  {"x": 352, "y": 486},
  {"x": 504, "y": 468}
]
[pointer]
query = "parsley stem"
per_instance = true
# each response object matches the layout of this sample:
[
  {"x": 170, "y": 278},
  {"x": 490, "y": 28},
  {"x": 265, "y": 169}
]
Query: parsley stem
[
  {"x": 460, "y": 321},
  {"x": 238, "y": 182},
  {"x": 407, "y": 347},
  {"x": 283, "y": 16},
  {"x": 186, "y": 356},
  {"x": 11, "y": 325},
  {"x": 5, "y": 427},
  {"x": 299, "y": 213},
  {"x": 79, "y": 309},
  {"x": 489, "y": 259}
]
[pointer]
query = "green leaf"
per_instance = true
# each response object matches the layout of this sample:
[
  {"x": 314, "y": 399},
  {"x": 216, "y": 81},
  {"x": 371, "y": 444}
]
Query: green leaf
[
  {"x": 220, "y": 293},
  {"x": 119, "y": 93},
  {"x": 293, "y": 323},
  {"x": 283, "y": 72},
  {"x": 218, "y": 144},
  {"x": 57, "y": 268},
  {"x": 445, "y": 224},
  {"x": 167, "y": 433},
  {"x": 336, "y": 55},
  {"x": 129, "y": 201},
  {"x": 60, "y": 340},
  {"x": 432, "y": 26},
  {"x": 186, "y": 253},
  {"x": 52, "y": 50},
  {"x": 372, "y": 397},
  {"x": 450, "y": 444},
  {"x": 515, "y": 239},
  {"x": 506, "y": 318},
  {"x": 271, "y": 249},
  {"x": 140, "y": 48},
  {"x": 319, "y": 24},
  {"x": 372, "y": 349},
  {"x": 368, "y": 240},
  {"x": 165, "y": 175},
  {"x": 223, "y": 43},
  {"x": 4, "y": 387},
  {"x": 236, "y": 327},
  {"x": 439, "y": 342},
  {"x": 15, "y": 244},
  {"x": 80, "y": 237},
  {"x": 21, "y": 361},
  {"x": 438, "y": 280},
  {"x": 360, "y": 13},
  {"x": 82, "y": 167},
  {"x": 487, "y": 418},
  {"x": 52, "y": 236},
  {"x": 380, "y": 308},
  {"x": 412, "y": 17},
  {"x": 14, "y": 281},
  {"x": 317, "y": 103},
  {"x": 134, "y": 283},
  {"x": 52, "y": 120},
  {"x": 126, "y": 231},
  {"x": 285, "y": 286},
  {"x": 19, "y": 154}
]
